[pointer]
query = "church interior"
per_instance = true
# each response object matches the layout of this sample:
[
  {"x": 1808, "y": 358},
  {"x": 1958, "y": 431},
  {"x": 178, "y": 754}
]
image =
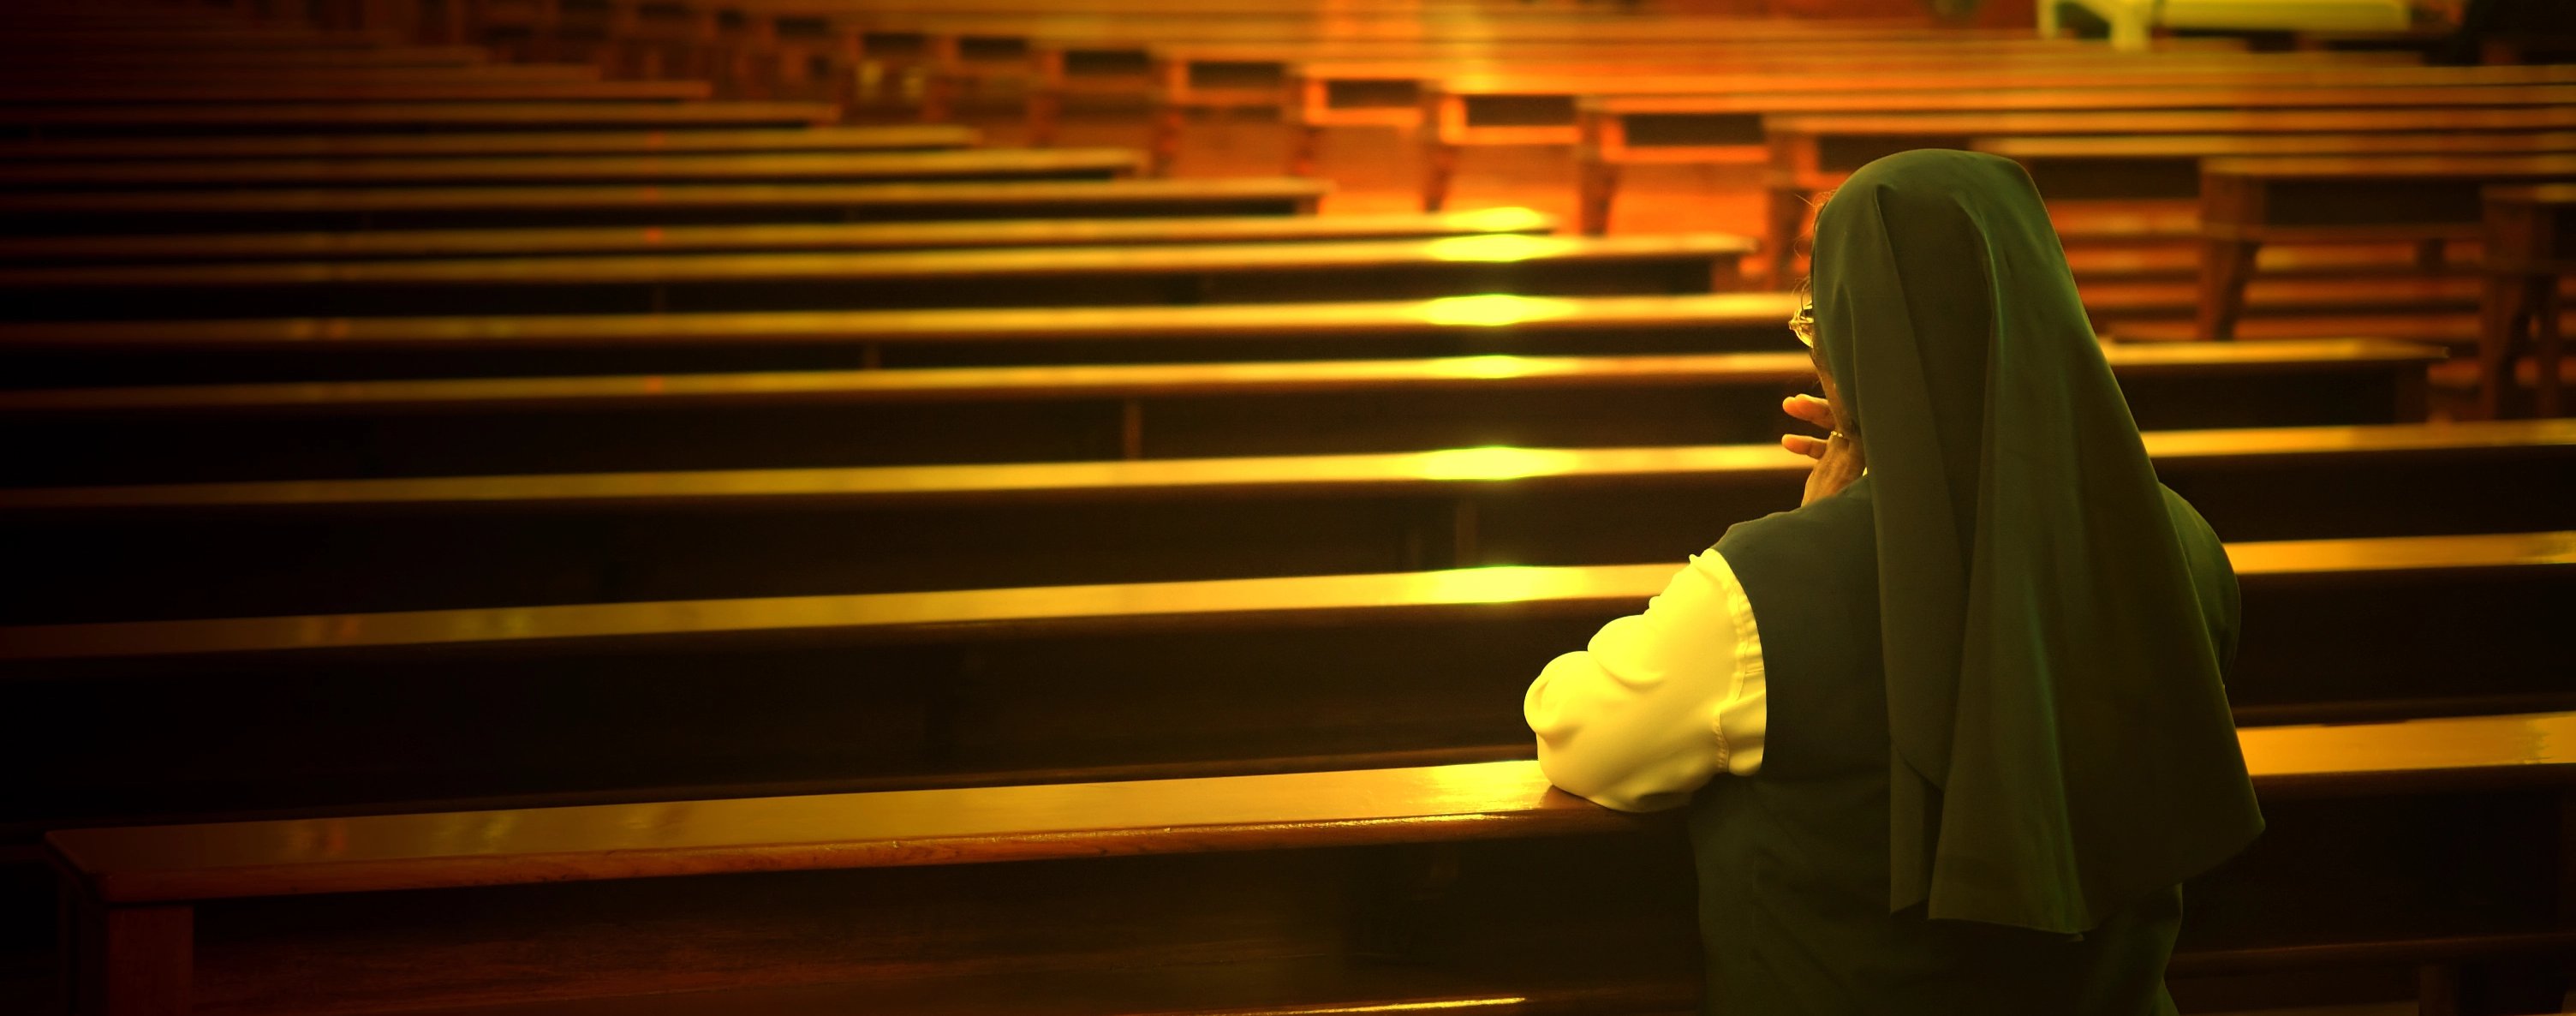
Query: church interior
[{"x": 1049, "y": 507}]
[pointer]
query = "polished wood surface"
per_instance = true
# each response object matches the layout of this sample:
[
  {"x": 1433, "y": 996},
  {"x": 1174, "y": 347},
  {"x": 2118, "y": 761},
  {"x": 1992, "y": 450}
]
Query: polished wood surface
[
  {"x": 1012, "y": 196},
  {"x": 1112, "y": 607},
  {"x": 19, "y": 99},
  {"x": 2429, "y": 167},
  {"x": 432, "y": 243},
  {"x": 1354, "y": 474},
  {"x": 1141, "y": 380},
  {"x": 1470, "y": 314},
  {"x": 462, "y": 145},
  {"x": 1498, "y": 248},
  {"x": 929, "y": 827},
  {"x": 429, "y": 115},
  {"x": 970, "y": 164},
  {"x": 2160, "y": 146}
]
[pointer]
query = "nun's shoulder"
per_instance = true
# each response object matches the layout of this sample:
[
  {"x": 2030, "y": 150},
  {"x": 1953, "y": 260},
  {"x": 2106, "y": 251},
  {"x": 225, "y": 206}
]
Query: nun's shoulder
[{"x": 1836, "y": 526}]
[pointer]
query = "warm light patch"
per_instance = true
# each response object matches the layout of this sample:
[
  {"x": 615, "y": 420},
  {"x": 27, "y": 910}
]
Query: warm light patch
[
  {"x": 1493, "y": 310},
  {"x": 1496, "y": 584},
  {"x": 1496, "y": 365},
  {"x": 1494, "y": 462},
  {"x": 1493, "y": 247}
]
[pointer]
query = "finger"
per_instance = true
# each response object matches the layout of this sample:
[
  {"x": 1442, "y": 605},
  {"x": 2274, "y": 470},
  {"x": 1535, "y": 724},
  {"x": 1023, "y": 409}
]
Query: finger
[
  {"x": 1811, "y": 447},
  {"x": 1810, "y": 409}
]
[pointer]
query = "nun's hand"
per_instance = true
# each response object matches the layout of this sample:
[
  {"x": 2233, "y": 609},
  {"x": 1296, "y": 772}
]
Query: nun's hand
[{"x": 1838, "y": 457}]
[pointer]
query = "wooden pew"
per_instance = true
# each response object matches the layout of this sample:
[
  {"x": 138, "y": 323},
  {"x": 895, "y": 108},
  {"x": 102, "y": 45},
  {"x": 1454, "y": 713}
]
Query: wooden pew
[
  {"x": 1007, "y": 685},
  {"x": 135, "y": 552},
  {"x": 922, "y": 137},
  {"x": 670, "y": 168},
  {"x": 255, "y": 59},
  {"x": 40, "y": 75},
  {"x": 443, "y": 243},
  {"x": 1428, "y": 871},
  {"x": 2247, "y": 203},
  {"x": 368, "y": 117},
  {"x": 1031, "y": 414},
  {"x": 1378, "y": 84},
  {"x": 995, "y": 277},
  {"x": 21, "y": 100},
  {"x": 691, "y": 204},
  {"x": 1509, "y": 110},
  {"x": 1809, "y": 155},
  {"x": 2529, "y": 248},
  {"x": 131, "y": 353}
]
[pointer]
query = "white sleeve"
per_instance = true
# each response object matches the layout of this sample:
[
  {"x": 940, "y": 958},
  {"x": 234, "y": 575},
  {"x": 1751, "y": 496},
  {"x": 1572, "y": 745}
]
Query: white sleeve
[{"x": 1660, "y": 702}]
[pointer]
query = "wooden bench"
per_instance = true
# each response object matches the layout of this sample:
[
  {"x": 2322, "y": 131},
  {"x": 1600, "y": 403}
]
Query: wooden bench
[
  {"x": 134, "y": 552},
  {"x": 673, "y": 168},
  {"x": 1000, "y": 685},
  {"x": 1379, "y": 84},
  {"x": 1355, "y": 89},
  {"x": 1463, "y": 112},
  {"x": 469, "y": 207},
  {"x": 1809, "y": 155},
  {"x": 996, "y": 277},
  {"x": 369, "y": 117},
  {"x": 441, "y": 243},
  {"x": 925, "y": 137},
  {"x": 1079, "y": 413},
  {"x": 2530, "y": 245},
  {"x": 21, "y": 100},
  {"x": 2247, "y": 203},
  {"x": 1412, "y": 855},
  {"x": 382, "y": 56},
  {"x": 128, "y": 353}
]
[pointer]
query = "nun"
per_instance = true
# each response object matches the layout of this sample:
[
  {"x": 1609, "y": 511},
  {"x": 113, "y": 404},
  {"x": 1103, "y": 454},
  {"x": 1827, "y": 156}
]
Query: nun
[{"x": 1950, "y": 735}]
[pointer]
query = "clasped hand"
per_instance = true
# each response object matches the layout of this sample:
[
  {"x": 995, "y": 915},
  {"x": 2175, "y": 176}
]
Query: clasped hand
[{"x": 1837, "y": 456}]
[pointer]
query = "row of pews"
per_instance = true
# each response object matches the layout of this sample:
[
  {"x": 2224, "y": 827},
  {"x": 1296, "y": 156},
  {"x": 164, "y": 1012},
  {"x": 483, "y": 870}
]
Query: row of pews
[{"x": 491, "y": 545}]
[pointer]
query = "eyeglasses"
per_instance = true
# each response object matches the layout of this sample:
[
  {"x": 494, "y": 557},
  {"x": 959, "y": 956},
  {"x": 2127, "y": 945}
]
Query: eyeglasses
[{"x": 1803, "y": 324}]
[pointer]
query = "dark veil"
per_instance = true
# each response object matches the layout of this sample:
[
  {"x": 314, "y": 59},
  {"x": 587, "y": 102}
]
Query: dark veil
[{"x": 2062, "y": 742}]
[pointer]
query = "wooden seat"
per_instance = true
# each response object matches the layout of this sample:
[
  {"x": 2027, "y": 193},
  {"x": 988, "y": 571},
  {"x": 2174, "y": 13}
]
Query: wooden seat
[
  {"x": 1811, "y": 154},
  {"x": 1029, "y": 414},
  {"x": 459, "y": 207},
  {"x": 1005, "y": 684},
  {"x": 1536, "y": 111},
  {"x": 142, "y": 551},
  {"x": 2529, "y": 250},
  {"x": 2248, "y": 203},
  {"x": 924, "y": 137},
  {"x": 831, "y": 167},
  {"x": 147, "y": 949},
  {"x": 1373, "y": 84},
  {"x": 127, "y": 353},
  {"x": 21, "y": 101},
  {"x": 294, "y": 118},
  {"x": 448, "y": 243},
  {"x": 1047, "y": 276}
]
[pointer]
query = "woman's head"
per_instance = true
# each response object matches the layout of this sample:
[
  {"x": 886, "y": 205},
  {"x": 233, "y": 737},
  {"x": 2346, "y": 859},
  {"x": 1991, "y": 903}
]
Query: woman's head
[
  {"x": 1912, "y": 257},
  {"x": 2040, "y": 628}
]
